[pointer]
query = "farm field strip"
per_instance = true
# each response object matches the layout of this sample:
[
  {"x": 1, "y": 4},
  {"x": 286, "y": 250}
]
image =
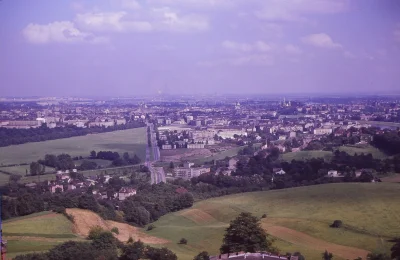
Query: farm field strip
[{"x": 131, "y": 140}]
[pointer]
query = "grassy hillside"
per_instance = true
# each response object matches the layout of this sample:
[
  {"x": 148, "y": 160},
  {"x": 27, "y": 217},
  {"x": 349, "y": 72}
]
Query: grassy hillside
[
  {"x": 298, "y": 217},
  {"x": 36, "y": 232},
  {"x": 305, "y": 155},
  {"x": 42, "y": 231},
  {"x": 131, "y": 140},
  {"x": 376, "y": 153}
]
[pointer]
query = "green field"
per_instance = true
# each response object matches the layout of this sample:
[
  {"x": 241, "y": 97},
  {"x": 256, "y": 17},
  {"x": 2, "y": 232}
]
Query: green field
[
  {"x": 100, "y": 162},
  {"x": 36, "y": 232},
  {"x": 370, "y": 213},
  {"x": 376, "y": 153},
  {"x": 306, "y": 155},
  {"x": 131, "y": 140},
  {"x": 218, "y": 156},
  {"x": 23, "y": 169},
  {"x": 110, "y": 171}
]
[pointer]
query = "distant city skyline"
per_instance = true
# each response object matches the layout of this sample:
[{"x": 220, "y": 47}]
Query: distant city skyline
[{"x": 144, "y": 47}]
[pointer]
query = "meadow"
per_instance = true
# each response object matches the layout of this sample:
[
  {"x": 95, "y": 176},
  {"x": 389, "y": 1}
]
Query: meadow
[
  {"x": 327, "y": 155},
  {"x": 36, "y": 232},
  {"x": 298, "y": 218},
  {"x": 131, "y": 140},
  {"x": 306, "y": 155},
  {"x": 376, "y": 153}
]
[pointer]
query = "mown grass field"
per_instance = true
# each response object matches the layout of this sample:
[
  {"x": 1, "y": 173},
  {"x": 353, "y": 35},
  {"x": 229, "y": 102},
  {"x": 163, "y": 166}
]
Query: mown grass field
[
  {"x": 306, "y": 155},
  {"x": 219, "y": 156},
  {"x": 376, "y": 153},
  {"x": 36, "y": 232},
  {"x": 299, "y": 218},
  {"x": 131, "y": 140}
]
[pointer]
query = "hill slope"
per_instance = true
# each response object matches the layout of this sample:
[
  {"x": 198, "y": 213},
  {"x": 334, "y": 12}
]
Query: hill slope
[
  {"x": 42, "y": 231},
  {"x": 299, "y": 218}
]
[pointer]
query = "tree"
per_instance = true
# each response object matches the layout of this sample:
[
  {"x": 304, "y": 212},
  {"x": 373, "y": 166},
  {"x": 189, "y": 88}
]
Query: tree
[
  {"x": 95, "y": 232},
  {"x": 35, "y": 168},
  {"x": 93, "y": 154},
  {"x": 337, "y": 224},
  {"x": 395, "y": 248},
  {"x": 15, "y": 177},
  {"x": 34, "y": 256},
  {"x": 327, "y": 256},
  {"x": 133, "y": 251},
  {"x": 246, "y": 234},
  {"x": 378, "y": 256},
  {"x": 87, "y": 165},
  {"x": 202, "y": 256},
  {"x": 299, "y": 256},
  {"x": 183, "y": 241},
  {"x": 158, "y": 254}
]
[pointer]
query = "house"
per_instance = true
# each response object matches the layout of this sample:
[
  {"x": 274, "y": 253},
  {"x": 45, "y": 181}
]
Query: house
[
  {"x": 334, "y": 174},
  {"x": 280, "y": 172},
  {"x": 54, "y": 188},
  {"x": 125, "y": 192}
]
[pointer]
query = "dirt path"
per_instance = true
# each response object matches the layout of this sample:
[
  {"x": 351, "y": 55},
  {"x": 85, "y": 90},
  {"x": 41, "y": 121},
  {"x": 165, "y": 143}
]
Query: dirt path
[
  {"x": 302, "y": 239},
  {"x": 84, "y": 220}
]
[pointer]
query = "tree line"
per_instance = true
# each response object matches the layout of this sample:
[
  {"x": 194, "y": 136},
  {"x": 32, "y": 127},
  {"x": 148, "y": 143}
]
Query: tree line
[
  {"x": 102, "y": 246},
  {"x": 13, "y": 136}
]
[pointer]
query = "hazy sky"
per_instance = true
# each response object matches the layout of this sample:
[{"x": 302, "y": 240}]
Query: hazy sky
[{"x": 128, "y": 47}]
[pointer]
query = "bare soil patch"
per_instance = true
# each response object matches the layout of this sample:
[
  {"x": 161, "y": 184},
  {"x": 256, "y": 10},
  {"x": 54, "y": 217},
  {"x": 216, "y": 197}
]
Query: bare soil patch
[
  {"x": 85, "y": 220},
  {"x": 302, "y": 239}
]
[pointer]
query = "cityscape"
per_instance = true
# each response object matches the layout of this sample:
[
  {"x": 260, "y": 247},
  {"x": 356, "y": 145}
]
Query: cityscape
[{"x": 200, "y": 129}]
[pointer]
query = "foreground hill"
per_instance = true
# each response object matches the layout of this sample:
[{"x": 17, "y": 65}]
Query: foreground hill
[
  {"x": 42, "y": 231},
  {"x": 299, "y": 218}
]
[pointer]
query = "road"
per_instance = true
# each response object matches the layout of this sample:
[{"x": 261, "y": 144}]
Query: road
[{"x": 157, "y": 173}]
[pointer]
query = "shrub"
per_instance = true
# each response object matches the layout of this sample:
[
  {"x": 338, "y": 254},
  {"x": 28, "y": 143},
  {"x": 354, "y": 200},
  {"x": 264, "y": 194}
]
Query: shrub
[
  {"x": 337, "y": 224},
  {"x": 183, "y": 241},
  {"x": 95, "y": 232},
  {"x": 59, "y": 210},
  {"x": 264, "y": 216},
  {"x": 130, "y": 240},
  {"x": 150, "y": 227},
  {"x": 115, "y": 230}
]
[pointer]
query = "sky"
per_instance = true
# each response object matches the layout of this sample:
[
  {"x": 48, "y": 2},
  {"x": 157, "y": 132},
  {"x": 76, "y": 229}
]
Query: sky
[{"x": 145, "y": 47}]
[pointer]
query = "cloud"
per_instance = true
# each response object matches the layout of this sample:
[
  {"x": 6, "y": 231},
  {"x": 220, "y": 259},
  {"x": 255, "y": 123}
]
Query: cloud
[
  {"x": 292, "y": 49},
  {"x": 259, "y": 46},
  {"x": 321, "y": 40},
  {"x": 111, "y": 22},
  {"x": 165, "y": 19},
  {"x": 296, "y": 10},
  {"x": 63, "y": 31},
  {"x": 161, "y": 19}
]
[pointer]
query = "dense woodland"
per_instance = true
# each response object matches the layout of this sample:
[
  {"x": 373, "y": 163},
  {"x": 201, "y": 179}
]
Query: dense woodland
[{"x": 20, "y": 136}]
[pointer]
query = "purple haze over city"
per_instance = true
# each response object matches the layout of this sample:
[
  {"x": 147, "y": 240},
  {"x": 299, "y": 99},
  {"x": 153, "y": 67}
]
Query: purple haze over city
[{"x": 132, "y": 47}]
